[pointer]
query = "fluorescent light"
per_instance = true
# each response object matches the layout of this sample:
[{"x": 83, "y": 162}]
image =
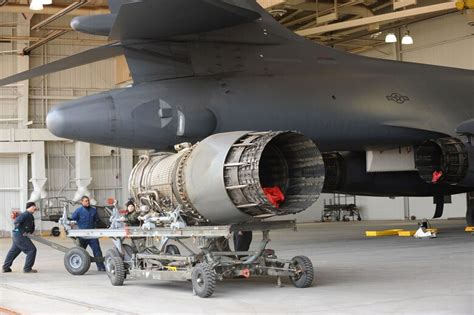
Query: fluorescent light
[
  {"x": 47, "y": 2},
  {"x": 36, "y": 5},
  {"x": 390, "y": 38},
  {"x": 407, "y": 39}
]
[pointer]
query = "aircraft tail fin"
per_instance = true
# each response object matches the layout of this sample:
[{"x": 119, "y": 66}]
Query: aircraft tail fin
[
  {"x": 152, "y": 19},
  {"x": 86, "y": 57}
]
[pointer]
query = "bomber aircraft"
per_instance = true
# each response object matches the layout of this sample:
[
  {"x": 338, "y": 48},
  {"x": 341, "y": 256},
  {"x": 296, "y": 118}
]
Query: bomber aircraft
[{"x": 385, "y": 128}]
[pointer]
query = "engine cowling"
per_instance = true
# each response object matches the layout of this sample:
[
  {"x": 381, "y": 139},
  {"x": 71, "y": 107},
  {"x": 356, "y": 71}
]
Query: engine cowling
[
  {"x": 222, "y": 179},
  {"x": 452, "y": 157}
]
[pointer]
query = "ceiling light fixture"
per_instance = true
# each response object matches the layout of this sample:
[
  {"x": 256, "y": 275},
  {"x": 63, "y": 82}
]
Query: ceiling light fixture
[
  {"x": 47, "y": 2},
  {"x": 36, "y": 5},
  {"x": 390, "y": 38},
  {"x": 407, "y": 39}
]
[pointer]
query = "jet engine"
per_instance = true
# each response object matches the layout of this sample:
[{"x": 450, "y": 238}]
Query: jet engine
[
  {"x": 446, "y": 160},
  {"x": 229, "y": 178}
]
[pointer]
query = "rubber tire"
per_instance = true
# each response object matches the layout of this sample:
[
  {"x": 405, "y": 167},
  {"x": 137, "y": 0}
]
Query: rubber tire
[
  {"x": 306, "y": 277},
  {"x": 204, "y": 280},
  {"x": 115, "y": 271},
  {"x": 112, "y": 252},
  {"x": 83, "y": 259},
  {"x": 55, "y": 231},
  {"x": 172, "y": 250},
  {"x": 470, "y": 209}
]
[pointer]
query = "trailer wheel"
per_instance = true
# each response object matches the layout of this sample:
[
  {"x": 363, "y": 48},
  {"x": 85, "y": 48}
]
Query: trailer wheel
[
  {"x": 77, "y": 261},
  {"x": 172, "y": 250},
  {"x": 304, "y": 272},
  {"x": 115, "y": 270},
  {"x": 55, "y": 231},
  {"x": 112, "y": 252},
  {"x": 203, "y": 280}
]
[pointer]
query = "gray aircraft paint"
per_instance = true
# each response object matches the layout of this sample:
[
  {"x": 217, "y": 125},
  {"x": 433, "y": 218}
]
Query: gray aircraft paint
[{"x": 260, "y": 76}]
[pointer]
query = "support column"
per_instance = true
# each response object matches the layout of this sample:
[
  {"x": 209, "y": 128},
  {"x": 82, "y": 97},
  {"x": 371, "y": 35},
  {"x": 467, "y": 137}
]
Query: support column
[
  {"x": 83, "y": 171},
  {"x": 38, "y": 173},
  {"x": 23, "y": 179},
  {"x": 23, "y": 64},
  {"x": 126, "y": 165}
]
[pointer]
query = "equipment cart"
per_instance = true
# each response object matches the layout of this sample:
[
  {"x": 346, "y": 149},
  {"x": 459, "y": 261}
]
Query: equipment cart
[{"x": 146, "y": 253}]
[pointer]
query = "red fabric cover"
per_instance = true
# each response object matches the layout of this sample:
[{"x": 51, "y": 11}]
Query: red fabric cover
[
  {"x": 436, "y": 176},
  {"x": 274, "y": 195},
  {"x": 14, "y": 214}
]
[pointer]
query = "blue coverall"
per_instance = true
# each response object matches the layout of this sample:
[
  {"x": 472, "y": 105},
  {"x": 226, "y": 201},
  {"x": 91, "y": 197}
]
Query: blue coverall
[
  {"x": 24, "y": 224},
  {"x": 87, "y": 218}
]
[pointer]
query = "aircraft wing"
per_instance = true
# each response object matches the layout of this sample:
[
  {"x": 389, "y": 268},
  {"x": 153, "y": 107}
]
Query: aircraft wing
[
  {"x": 86, "y": 57},
  {"x": 158, "y": 19}
]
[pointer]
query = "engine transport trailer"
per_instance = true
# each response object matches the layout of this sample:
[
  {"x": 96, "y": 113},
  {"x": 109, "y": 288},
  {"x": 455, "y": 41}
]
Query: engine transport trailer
[{"x": 160, "y": 254}]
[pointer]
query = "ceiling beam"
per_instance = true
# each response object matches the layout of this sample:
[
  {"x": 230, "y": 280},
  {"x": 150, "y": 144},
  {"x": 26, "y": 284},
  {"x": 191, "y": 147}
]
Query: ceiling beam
[
  {"x": 53, "y": 9},
  {"x": 73, "y": 6},
  {"x": 266, "y": 4},
  {"x": 382, "y": 18}
]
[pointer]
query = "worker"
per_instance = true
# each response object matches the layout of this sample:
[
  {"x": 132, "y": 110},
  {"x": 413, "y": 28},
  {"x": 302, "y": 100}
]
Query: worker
[
  {"x": 132, "y": 215},
  {"x": 242, "y": 240},
  {"x": 87, "y": 218},
  {"x": 24, "y": 224}
]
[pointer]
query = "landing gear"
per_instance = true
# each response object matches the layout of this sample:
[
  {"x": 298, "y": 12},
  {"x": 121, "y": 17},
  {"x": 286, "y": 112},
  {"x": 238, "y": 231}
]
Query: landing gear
[{"x": 470, "y": 209}]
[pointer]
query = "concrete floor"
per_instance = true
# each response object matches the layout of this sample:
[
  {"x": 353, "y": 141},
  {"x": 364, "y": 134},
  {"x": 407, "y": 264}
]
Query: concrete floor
[{"x": 355, "y": 275}]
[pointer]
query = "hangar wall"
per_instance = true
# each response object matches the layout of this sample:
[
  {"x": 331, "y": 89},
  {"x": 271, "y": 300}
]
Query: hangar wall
[{"x": 435, "y": 43}]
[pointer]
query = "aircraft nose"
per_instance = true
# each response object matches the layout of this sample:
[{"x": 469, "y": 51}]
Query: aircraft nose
[
  {"x": 56, "y": 123},
  {"x": 86, "y": 119}
]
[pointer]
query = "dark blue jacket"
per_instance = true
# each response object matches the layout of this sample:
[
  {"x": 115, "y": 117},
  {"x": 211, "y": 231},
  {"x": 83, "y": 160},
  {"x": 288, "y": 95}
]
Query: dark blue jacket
[
  {"x": 86, "y": 218},
  {"x": 25, "y": 223}
]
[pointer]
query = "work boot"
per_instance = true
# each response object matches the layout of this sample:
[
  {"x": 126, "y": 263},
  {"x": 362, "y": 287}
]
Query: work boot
[
  {"x": 30, "y": 271},
  {"x": 6, "y": 270}
]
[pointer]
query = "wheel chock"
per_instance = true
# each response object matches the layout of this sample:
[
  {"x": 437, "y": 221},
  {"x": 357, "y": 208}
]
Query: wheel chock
[
  {"x": 382, "y": 232},
  {"x": 406, "y": 233}
]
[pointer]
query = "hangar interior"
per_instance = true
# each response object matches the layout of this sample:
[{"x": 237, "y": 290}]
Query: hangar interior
[{"x": 33, "y": 162}]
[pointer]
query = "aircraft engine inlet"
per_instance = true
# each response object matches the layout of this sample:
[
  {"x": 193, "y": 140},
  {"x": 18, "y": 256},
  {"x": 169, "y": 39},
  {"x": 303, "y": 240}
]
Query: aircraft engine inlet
[{"x": 230, "y": 178}]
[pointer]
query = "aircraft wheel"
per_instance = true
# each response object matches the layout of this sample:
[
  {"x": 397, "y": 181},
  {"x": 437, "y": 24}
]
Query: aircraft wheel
[
  {"x": 115, "y": 270},
  {"x": 203, "y": 280},
  {"x": 304, "y": 275},
  {"x": 77, "y": 261},
  {"x": 172, "y": 250}
]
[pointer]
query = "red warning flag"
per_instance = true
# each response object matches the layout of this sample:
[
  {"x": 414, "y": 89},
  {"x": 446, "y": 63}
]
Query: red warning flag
[
  {"x": 436, "y": 176},
  {"x": 274, "y": 195}
]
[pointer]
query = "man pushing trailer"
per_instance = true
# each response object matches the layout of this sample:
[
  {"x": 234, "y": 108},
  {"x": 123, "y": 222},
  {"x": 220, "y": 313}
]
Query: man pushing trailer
[
  {"x": 87, "y": 218},
  {"x": 24, "y": 224}
]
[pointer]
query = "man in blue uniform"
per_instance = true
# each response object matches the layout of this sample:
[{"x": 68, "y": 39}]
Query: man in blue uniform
[
  {"x": 87, "y": 218},
  {"x": 24, "y": 224}
]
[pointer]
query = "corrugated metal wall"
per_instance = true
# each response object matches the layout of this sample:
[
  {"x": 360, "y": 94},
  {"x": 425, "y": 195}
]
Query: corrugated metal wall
[
  {"x": 9, "y": 190},
  {"x": 7, "y": 67}
]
